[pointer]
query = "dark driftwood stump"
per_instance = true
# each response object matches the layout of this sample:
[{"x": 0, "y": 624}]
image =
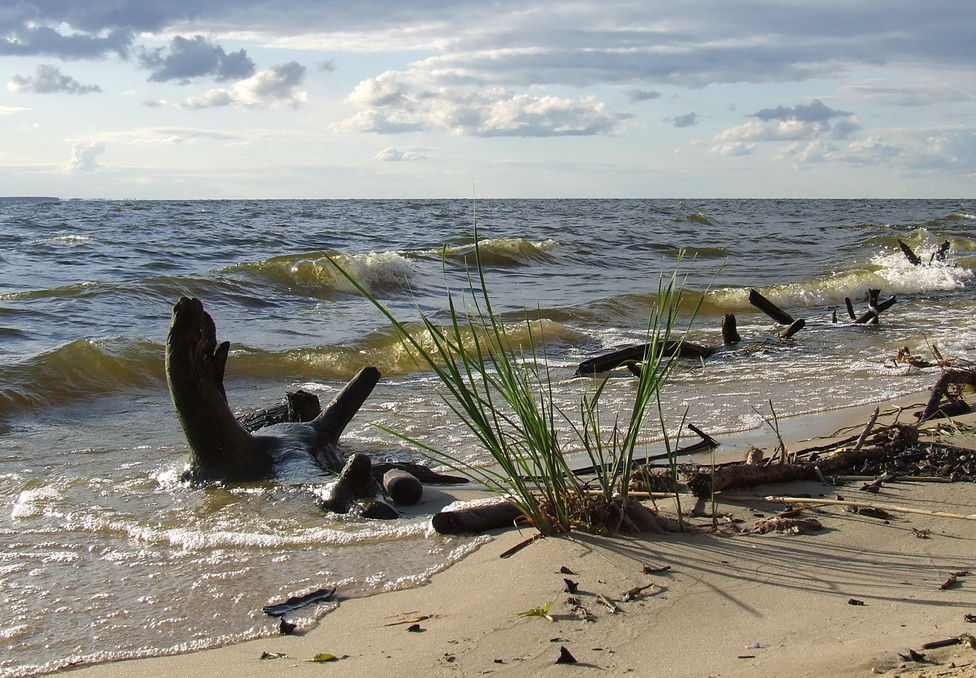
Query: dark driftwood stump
[{"x": 220, "y": 447}]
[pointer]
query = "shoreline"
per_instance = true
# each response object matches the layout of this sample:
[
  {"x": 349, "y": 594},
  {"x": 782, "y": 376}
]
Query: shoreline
[{"x": 729, "y": 605}]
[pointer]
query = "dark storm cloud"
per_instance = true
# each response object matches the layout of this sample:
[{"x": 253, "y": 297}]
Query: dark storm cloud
[
  {"x": 636, "y": 95},
  {"x": 686, "y": 120},
  {"x": 695, "y": 43},
  {"x": 815, "y": 111},
  {"x": 197, "y": 57}
]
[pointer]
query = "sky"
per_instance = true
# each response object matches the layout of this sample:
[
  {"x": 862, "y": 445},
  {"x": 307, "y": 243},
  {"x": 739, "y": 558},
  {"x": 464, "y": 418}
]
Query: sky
[{"x": 229, "y": 99}]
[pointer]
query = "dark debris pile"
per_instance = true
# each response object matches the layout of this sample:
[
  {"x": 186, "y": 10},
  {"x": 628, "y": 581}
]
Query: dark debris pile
[{"x": 925, "y": 460}]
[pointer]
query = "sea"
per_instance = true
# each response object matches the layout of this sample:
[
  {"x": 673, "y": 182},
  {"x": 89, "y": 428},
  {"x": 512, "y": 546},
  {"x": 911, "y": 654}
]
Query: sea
[{"x": 109, "y": 555}]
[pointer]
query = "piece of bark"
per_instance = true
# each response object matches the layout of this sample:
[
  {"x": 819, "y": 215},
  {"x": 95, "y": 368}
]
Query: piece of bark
[
  {"x": 476, "y": 519},
  {"x": 769, "y": 308}
]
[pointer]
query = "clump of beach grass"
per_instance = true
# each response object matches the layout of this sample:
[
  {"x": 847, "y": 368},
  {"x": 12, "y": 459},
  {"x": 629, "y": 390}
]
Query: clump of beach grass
[{"x": 502, "y": 390}]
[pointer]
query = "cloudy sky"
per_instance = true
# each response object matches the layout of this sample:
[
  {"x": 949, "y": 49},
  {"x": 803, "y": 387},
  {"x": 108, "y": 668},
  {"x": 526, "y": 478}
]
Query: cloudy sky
[{"x": 494, "y": 98}]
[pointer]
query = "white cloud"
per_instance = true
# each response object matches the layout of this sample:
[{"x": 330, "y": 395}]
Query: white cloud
[
  {"x": 803, "y": 126},
  {"x": 396, "y": 102},
  {"x": 395, "y": 155},
  {"x": 277, "y": 86},
  {"x": 733, "y": 148},
  {"x": 84, "y": 156},
  {"x": 49, "y": 79}
]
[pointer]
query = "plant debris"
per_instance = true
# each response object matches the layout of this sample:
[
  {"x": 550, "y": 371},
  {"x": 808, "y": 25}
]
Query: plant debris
[
  {"x": 637, "y": 591},
  {"x": 298, "y": 602},
  {"x": 609, "y": 604},
  {"x": 539, "y": 612},
  {"x": 787, "y": 525},
  {"x": 950, "y": 582},
  {"x": 412, "y": 620},
  {"x": 324, "y": 657},
  {"x": 912, "y": 656}
]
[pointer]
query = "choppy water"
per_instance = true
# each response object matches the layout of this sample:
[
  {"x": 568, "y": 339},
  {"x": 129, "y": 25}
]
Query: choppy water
[{"x": 108, "y": 555}]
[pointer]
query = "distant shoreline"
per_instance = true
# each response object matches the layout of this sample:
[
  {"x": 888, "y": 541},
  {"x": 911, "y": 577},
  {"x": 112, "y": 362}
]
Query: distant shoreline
[{"x": 29, "y": 198}]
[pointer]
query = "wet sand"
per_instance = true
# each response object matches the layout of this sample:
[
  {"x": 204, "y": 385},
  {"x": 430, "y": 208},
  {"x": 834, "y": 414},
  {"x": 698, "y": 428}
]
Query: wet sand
[{"x": 847, "y": 600}]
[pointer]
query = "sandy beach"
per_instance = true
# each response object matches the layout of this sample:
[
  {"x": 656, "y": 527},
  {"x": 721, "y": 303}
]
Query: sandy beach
[{"x": 853, "y": 599}]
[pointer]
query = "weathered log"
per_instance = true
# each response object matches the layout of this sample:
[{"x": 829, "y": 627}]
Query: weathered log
[
  {"x": 730, "y": 333},
  {"x": 941, "y": 253},
  {"x": 356, "y": 491},
  {"x": 403, "y": 488},
  {"x": 769, "y": 308},
  {"x": 909, "y": 254},
  {"x": 941, "y": 387},
  {"x": 639, "y": 353},
  {"x": 476, "y": 519},
  {"x": 418, "y": 471},
  {"x": 795, "y": 327},
  {"x": 850, "y": 308},
  {"x": 889, "y": 440},
  {"x": 875, "y": 308},
  {"x": 297, "y": 406},
  {"x": 220, "y": 447}
]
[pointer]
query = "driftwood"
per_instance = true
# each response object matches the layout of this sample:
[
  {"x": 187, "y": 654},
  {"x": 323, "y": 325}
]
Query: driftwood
[
  {"x": 356, "y": 491},
  {"x": 220, "y": 447},
  {"x": 949, "y": 378},
  {"x": 874, "y": 308},
  {"x": 939, "y": 255},
  {"x": 638, "y": 354},
  {"x": 476, "y": 519},
  {"x": 730, "y": 333},
  {"x": 297, "y": 406},
  {"x": 913, "y": 258},
  {"x": 402, "y": 487},
  {"x": 794, "y": 327},
  {"x": 769, "y": 308},
  {"x": 702, "y": 481}
]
